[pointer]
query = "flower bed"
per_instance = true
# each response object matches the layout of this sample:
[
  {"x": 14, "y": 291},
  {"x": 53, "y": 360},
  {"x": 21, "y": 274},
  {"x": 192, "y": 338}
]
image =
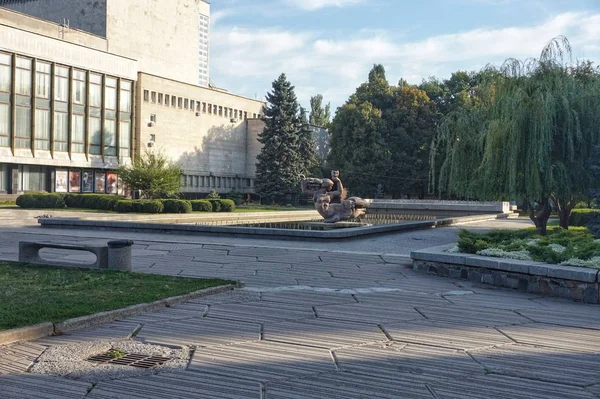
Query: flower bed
[{"x": 573, "y": 247}]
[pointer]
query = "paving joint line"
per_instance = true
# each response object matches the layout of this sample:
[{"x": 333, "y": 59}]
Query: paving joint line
[
  {"x": 431, "y": 391},
  {"x": 383, "y": 330}
]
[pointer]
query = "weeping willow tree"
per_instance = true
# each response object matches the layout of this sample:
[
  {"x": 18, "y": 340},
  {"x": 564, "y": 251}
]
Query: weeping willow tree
[{"x": 529, "y": 137}]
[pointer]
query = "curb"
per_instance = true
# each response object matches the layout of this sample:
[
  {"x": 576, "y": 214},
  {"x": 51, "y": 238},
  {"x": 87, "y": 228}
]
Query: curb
[
  {"x": 48, "y": 328},
  {"x": 26, "y": 333}
]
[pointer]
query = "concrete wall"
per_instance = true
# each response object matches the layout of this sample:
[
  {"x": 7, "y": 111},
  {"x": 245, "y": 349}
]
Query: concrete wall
[
  {"x": 255, "y": 127},
  {"x": 201, "y": 144},
  {"x": 27, "y": 23},
  {"x": 162, "y": 34},
  {"x": 87, "y": 15}
]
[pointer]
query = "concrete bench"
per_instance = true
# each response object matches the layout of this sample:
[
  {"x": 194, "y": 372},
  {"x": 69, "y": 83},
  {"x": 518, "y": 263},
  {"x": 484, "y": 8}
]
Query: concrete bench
[{"x": 114, "y": 255}]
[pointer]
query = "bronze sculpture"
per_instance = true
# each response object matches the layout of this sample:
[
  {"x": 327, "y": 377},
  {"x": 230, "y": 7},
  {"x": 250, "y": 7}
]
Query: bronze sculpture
[{"x": 323, "y": 197}]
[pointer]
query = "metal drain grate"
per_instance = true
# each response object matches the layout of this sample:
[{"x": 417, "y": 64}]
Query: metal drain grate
[{"x": 129, "y": 359}]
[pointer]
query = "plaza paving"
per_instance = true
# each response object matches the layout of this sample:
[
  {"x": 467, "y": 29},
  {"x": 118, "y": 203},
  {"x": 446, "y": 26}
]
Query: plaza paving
[{"x": 328, "y": 320}]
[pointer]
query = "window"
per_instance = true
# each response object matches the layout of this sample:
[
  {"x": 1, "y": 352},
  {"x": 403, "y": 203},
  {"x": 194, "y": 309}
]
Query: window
[
  {"x": 95, "y": 90},
  {"x": 214, "y": 109},
  {"x": 110, "y": 93},
  {"x": 209, "y": 109},
  {"x": 125, "y": 139},
  {"x": 78, "y": 133},
  {"x": 203, "y": 108},
  {"x": 180, "y": 102},
  {"x": 42, "y": 79},
  {"x": 153, "y": 97},
  {"x": 4, "y": 125},
  {"x": 182, "y": 180},
  {"x": 254, "y": 116},
  {"x": 191, "y": 181},
  {"x": 146, "y": 95},
  {"x": 235, "y": 114},
  {"x": 167, "y": 100},
  {"x": 173, "y": 101},
  {"x": 220, "y": 111},
  {"x": 153, "y": 118},
  {"x": 160, "y": 98},
  {"x": 95, "y": 136},
  {"x": 61, "y": 131},
  {"x": 110, "y": 137},
  {"x": 152, "y": 138},
  {"x": 23, "y": 76},
  {"x": 192, "y": 105},
  {"x": 23, "y": 127},
  {"x": 78, "y": 87},
  {"x": 201, "y": 181},
  {"x": 42, "y": 129},
  {"x": 5, "y": 72},
  {"x": 61, "y": 83},
  {"x": 125, "y": 100},
  {"x": 186, "y": 103},
  {"x": 245, "y": 115},
  {"x": 198, "y": 106},
  {"x": 196, "y": 181}
]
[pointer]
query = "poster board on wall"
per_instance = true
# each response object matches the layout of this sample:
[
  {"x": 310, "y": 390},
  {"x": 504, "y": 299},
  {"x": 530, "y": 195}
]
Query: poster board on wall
[
  {"x": 111, "y": 183},
  {"x": 61, "y": 181},
  {"x": 87, "y": 181},
  {"x": 75, "y": 181},
  {"x": 100, "y": 179}
]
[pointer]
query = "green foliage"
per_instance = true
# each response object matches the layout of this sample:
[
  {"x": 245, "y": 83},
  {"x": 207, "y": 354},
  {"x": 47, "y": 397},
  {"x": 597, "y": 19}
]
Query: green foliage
[
  {"x": 528, "y": 137},
  {"x": 213, "y": 195},
  {"x": 279, "y": 163},
  {"x": 576, "y": 242},
  {"x": 319, "y": 115},
  {"x": 125, "y": 206},
  {"x": 380, "y": 138},
  {"x": 69, "y": 293},
  {"x": 176, "y": 206},
  {"x": 104, "y": 202},
  {"x": 148, "y": 206},
  {"x": 41, "y": 201},
  {"x": 153, "y": 175},
  {"x": 227, "y": 205},
  {"x": 580, "y": 217},
  {"x": 201, "y": 206},
  {"x": 216, "y": 205}
]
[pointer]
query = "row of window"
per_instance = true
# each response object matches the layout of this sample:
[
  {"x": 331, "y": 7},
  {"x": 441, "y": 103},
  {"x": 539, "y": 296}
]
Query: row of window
[
  {"x": 194, "y": 106},
  {"x": 215, "y": 182},
  {"x": 46, "y": 110}
]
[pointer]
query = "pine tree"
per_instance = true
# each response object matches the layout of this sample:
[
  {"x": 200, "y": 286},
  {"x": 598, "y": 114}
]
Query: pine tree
[
  {"x": 279, "y": 166},
  {"x": 307, "y": 146}
]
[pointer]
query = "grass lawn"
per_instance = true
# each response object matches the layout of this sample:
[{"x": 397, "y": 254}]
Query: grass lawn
[
  {"x": 573, "y": 247},
  {"x": 34, "y": 294}
]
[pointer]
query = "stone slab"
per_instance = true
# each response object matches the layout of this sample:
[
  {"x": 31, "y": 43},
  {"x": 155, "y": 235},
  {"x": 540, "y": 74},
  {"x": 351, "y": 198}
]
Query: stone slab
[
  {"x": 41, "y": 387},
  {"x": 552, "y": 336},
  {"x": 26, "y": 333}
]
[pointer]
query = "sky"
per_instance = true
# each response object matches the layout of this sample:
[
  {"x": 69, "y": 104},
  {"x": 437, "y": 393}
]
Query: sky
[{"x": 328, "y": 47}]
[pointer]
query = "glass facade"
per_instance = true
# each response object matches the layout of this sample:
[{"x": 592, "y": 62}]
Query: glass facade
[{"x": 63, "y": 109}]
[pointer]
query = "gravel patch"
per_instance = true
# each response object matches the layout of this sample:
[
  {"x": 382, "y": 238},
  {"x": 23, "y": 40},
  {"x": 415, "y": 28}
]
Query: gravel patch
[{"x": 70, "y": 361}]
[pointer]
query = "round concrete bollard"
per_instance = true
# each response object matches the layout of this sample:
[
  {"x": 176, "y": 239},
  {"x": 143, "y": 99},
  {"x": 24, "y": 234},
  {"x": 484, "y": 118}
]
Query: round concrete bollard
[{"x": 119, "y": 255}]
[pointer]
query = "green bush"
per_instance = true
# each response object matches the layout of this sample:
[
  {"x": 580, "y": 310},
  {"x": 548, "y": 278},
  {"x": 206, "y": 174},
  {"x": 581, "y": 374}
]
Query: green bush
[
  {"x": 176, "y": 206},
  {"x": 125, "y": 206},
  {"x": 201, "y": 206},
  {"x": 106, "y": 203},
  {"x": 580, "y": 217},
  {"x": 227, "y": 205},
  {"x": 216, "y": 205},
  {"x": 151, "y": 206},
  {"x": 40, "y": 201}
]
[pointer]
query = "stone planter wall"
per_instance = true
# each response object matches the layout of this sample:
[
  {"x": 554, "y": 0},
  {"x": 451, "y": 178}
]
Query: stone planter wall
[{"x": 576, "y": 283}]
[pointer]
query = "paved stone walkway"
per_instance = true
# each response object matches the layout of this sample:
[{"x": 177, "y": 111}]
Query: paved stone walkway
[{"x": 323, "y": 324}]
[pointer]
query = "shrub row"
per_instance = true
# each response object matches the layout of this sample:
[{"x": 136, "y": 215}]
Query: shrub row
[
  {"x": 42, "y": 200},
  {"x": 589, "y": 218},
  {"x": 112, "y": 203}
]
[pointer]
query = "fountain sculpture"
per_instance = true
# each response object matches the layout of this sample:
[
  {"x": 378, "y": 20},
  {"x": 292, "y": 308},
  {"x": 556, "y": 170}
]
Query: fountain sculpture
[{"x": 324, "y": 197}]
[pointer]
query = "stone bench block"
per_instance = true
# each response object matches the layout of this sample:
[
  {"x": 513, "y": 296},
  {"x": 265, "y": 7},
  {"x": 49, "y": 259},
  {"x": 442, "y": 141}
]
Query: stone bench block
[{"x": 30, "y": 252}]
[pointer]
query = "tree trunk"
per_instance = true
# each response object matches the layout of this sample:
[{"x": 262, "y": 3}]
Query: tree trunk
[
  {"x": 564, "y": 206},
  {"x": 541, "y": 218}
]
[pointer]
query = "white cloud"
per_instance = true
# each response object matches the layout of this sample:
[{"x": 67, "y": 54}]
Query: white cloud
[
  {"x": 311, "y": 5},
  {"x": 316, "y": 62}
]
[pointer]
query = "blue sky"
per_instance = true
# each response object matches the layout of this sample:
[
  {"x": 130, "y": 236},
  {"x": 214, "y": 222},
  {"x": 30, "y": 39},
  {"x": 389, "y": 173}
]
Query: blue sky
[{"x": 329, "y": 46}]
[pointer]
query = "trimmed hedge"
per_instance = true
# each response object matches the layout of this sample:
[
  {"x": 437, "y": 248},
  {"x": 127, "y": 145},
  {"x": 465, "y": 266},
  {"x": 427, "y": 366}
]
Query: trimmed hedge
[
  {"x": 222, "y": 205},
  {"x": 201, "y": 206},
  {"x": 148, "y": 206},
  {"x": 40, "y": 201},
  {"x": 227, "y": 205},
  {"x": 125, "y": 206},
  {"x": 176, "y": 206},
  {"x": 580, "y": 217},
  {"x": 102, "y": 202}
]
